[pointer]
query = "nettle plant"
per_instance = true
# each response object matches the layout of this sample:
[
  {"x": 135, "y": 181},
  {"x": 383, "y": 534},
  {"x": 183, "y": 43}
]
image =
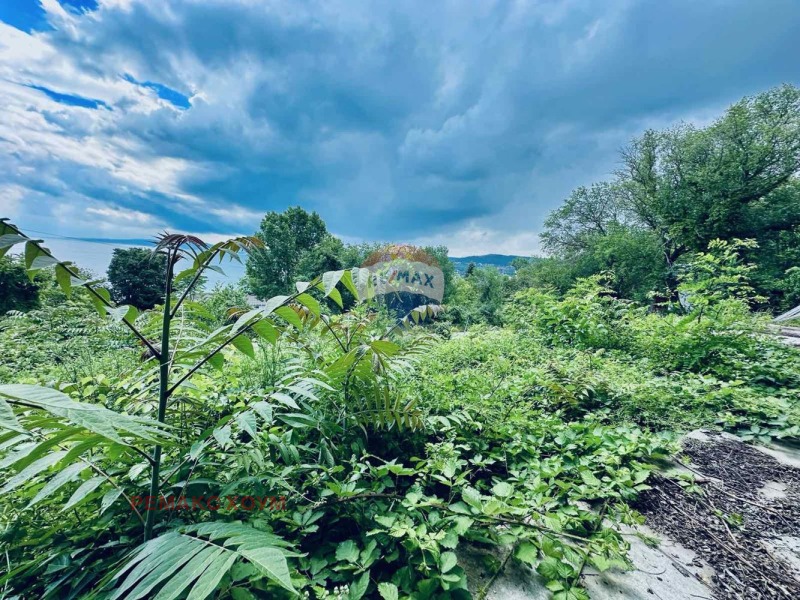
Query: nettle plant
[{"x": 49, "y": 441}]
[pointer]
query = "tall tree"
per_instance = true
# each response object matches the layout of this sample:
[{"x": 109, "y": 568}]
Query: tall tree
[
  {"x": 136, "y": 277},
  {"x": 289, "y": 236},
  {"x": 687, "y": 186},
  {"x": 691, "y": 185},
  {"x": 588, "y": 212}
]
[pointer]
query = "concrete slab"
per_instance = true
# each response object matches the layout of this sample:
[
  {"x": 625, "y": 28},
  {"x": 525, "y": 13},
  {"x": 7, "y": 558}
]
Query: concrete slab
[
  {"x": 784, "y": 453},
  {"x": 516, "y": 582},
  {"x": 773, "y": 490},
  {"x": 667, "y": 572},
  {"x": 787, "y": 548}
]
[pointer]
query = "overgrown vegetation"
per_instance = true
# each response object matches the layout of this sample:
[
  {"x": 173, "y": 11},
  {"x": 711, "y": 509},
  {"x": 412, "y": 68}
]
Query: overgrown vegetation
[{"x": 318, "y": 445}]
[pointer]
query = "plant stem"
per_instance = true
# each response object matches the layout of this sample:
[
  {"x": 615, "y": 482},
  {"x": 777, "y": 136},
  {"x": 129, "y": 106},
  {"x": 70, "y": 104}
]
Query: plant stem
[{"x": 163, "y": 389}]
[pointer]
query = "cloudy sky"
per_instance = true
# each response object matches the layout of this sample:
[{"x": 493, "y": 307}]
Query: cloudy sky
[{"x": 460, "y": 122}]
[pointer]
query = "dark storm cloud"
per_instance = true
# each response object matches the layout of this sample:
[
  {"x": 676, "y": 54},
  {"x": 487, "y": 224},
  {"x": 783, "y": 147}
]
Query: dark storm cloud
[{"x": 392, "y": 120}]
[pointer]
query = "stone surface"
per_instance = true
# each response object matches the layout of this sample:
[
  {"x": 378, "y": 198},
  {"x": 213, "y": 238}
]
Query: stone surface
[
  {"x": 773, "y": 490},
  {"x": 667, "y": 572},
  {"x": 787, "y": 548},
  {"x": 783, "y": 453},
  {"x": 516, "y": 582}
]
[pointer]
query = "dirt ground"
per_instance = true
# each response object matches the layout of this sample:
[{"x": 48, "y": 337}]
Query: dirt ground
[{"x": 741, "y": 516}]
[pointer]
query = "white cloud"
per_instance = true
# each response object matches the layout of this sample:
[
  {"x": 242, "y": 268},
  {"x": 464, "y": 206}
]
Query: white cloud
[
  {"x": 475, "y": 239},
  {"x": 10, "y": 200}
]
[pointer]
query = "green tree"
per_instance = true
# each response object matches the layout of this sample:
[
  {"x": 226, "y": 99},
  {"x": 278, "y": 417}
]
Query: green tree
[
  {"x": 288, "y": 236},
  {"x": 691, "y": 185},
  {"x": 491, "y": 288},
  {"x": 687, "y": 186},
  {"x": 136, "y": 275},
  {"x": 586, "y": 214},
  {"x": 17, "y": 292},
  {"x": 441, "y": 254},
  {"x": 221, "y": 299},
  {"x": 325, "y": 256}
]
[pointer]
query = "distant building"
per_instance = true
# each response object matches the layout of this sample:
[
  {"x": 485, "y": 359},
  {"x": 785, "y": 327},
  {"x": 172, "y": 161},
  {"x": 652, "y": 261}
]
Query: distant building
[{"x": 254, "y": 302}]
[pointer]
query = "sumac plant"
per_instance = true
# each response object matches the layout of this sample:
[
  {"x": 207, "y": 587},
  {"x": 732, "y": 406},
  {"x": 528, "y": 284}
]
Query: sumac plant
[{"x": 51, "y": 443}]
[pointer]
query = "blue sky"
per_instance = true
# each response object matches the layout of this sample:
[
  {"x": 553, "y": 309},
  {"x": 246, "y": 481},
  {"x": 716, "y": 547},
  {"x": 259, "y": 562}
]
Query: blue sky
[{"x": 455, "y": 122}]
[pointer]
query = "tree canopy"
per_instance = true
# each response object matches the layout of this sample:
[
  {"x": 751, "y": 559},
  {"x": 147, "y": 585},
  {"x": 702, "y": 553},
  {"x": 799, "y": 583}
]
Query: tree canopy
[
  {"x": 136, "y": 275},
  {"x": 681, "y": 188},
  {"x": 293, "y": 239}
]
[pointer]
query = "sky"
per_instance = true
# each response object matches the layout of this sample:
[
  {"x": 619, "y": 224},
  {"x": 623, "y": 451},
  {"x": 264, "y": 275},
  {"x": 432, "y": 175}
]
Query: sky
[{"x": 452, "y": 122}]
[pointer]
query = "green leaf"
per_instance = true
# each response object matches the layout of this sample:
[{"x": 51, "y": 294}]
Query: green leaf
[
  {"x": 291, "y": 317},
  {"x": 58, "y": 480},
  {"x": 502, "y": 489},
  {"x": 359, "y": 587},
  {"x": 217, "y": 361},
  {"x": 210, "y": 578},
  {"x": 93, "y": 417},
  {"x": 329, "y": 281},
  {"x": 273, "y": 303},
  {"x": 589, "y": 478},
  {"x": 310, "y": 303},
  {"x": 527, "y": 553},
  {"x": 247, "y": 421},
  {"x": 347, "y": 551},
  {"x": 447, "y": 561},
  {"x": 126, "y": 312},
  {"x": 223, "y": 435},
  {"x": 385, "y": 347},
  {"x": 549, "y": 568},
  {"x": 32, "y": 470},
  {"x": 243, "y": 344},
  {"x": 244, "y": 320},
  {"x": 109, "y": 498},
  {"x": 190, "y": 572},
  {"x": 213, "y": 547},
  {"x": 273, "y": 563},
  {"x": 285, "y": 399},
  {"x": 8, "y": 420},
  {"x": 336, "y": 296},
  {"x": 64, "y": 279},
  {"x": 86, "y": 488},
  {"x": 388, "y": 591},
  {"x": 264, "y": 410},
  {"x": 36, "y": 258},
  {"x": 347, "y": 280},
  {"x": 7, "y": 240},
  {"x": 472, "y": 497},
  {"x": 298, "y": 420},
  {"x": 265, "y": 330}
]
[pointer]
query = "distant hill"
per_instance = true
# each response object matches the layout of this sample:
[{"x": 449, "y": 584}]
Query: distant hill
[{"x": 502, "y": 262}]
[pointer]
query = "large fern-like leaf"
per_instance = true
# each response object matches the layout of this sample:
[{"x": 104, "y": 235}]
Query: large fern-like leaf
[
  {"x": 95, "y": 418},
  {"x": 196, "y": 558},
  {"x": 52, "y": 440}
]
